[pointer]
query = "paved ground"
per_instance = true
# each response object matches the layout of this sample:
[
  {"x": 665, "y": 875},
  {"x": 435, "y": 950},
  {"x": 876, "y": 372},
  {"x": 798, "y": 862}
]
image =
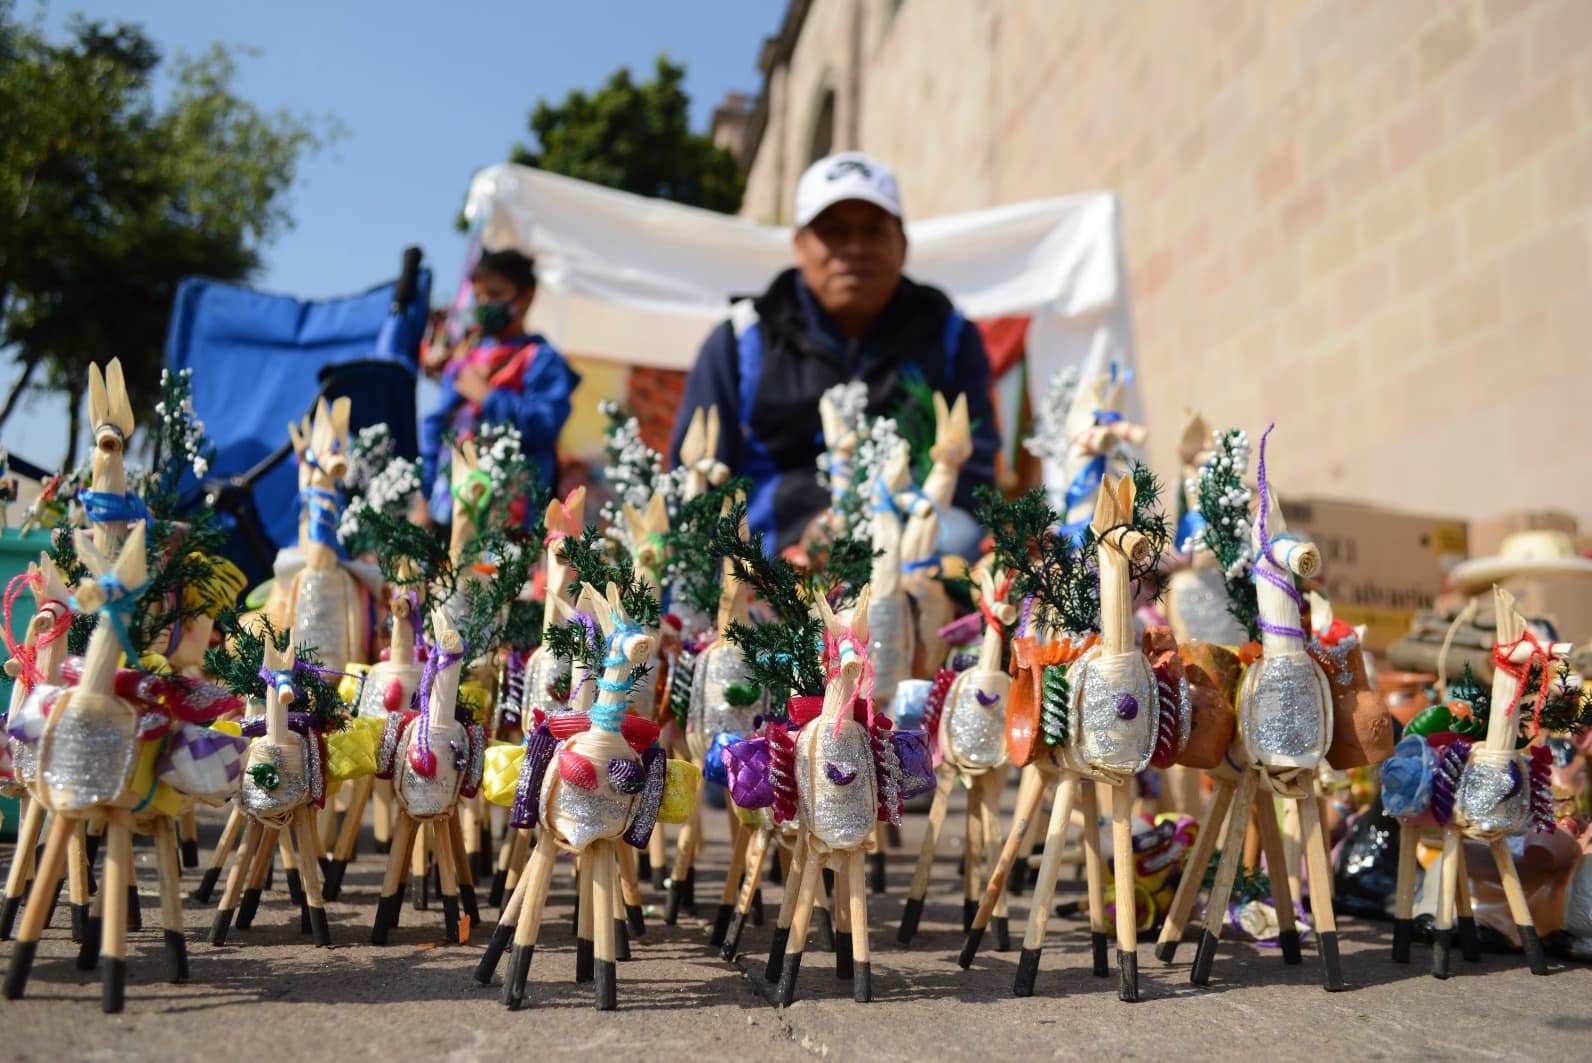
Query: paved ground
[{"x": 268, "y": 995}]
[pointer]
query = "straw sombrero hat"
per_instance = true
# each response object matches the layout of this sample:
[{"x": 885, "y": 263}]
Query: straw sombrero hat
[{"x": 1530, "y": 553}]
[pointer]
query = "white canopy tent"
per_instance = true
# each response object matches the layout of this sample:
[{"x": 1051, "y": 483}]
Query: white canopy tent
[{"x": 643, "y": 281}]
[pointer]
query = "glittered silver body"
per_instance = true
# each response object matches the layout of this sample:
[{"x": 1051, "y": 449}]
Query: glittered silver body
[
  {"x": 292, "y": 783},
  {"x": 373, "y": 694},
  {"x": 544, "y": 671},
  {"x": 1197, "y": 602},
  {"x": 973, "y": 729},
  {"x": 324, "y": 603},
  {"x": 838, "y": 815},
  {"x": 1106, "y": 736},
  {"x": 721, "y": 666},
  {"x": 1494, "y": 795},
  {"x": 579, "y": 817},
  {"x": 1285, "y": 711},
  {"x": 435, "y": 797},
  {"x": 87, "y": 753},
  {"x": 889, "y": 644}
]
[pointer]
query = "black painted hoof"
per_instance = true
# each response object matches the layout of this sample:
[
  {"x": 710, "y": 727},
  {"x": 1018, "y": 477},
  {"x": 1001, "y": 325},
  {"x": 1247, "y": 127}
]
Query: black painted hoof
[
  {"x": 621, "y": 941},
  {"x": 468, "y": 904},
  {"x": 519, "y": 971},
  {"x": 660, "y": 878},
  {"x": 688, "y": 893},
  {"x": 420, "y": 892},
  {"x": 1027, "y": 973},
  {"x": 862, "y": 983},
  {"x": 384, "y": 846},
  {"x": 635, "y": 921},
  {"x": 221, "y": 926},
  {"x": 969, "y": 913},
  {"x": 911, "y": 915},
  {"x": 8, "y": 917},
  {"x": 1442, "y": 951},
  {"x": 732, "y": 938},
  {"x": 1017, "y": 878},
  {"x": 607, "y": 986},
  {"x": 671, "y": 906},
  {"x": 1403, "y": 934},
  {"x": 1331, "y": 966},
  {"x": 1288, "y": 941},
  {"x": 21, "y": 965},
  {"x": 1127, "y": 976},
  {"x": 207, "y": 885},
  {"x": 1204, "y": 957},
  {"x": 1003, "y": 933},
  {"x": 79, "y": 922},
  {"x": 320, "y": 931},
  {"x": 1166, "y": 950},
  {"x": 970, "y": 943},
  {"x": 502, "y": 936},
  {"x": 481, "y": 859},
  {"x": 823, "y": 930},
  {"x": 1469, "y": 943},
  {"x": 135, "y": 912},
  {"x": 494, "y": 896},
  {"x": 721, "y": 924},
  {"x": 643, "y": 866},
  {"x": 386, "y": 918},
  {"x": 776, "y": 953},
  {"x": 585, "y": 958},
  {"x": 450, "y": 920},
  {"x": 176, "y": 956},
  {"x": 1531, "y": 945},
  {"x": 332, "y": 887},
  {"x": 876, "y": 872},
  {"x": 844, "y": 965},
  {"x": 1098, "y": 943},
  {"x": 113, "y": 984},
  {"x": 323, "y": 864},
  {"x": 304, "y": 918},
  {"x": 246, "y": 910},
  {"x": 295, "y": 888},
  {"x": 190, "y": 854},
  {"x": 88, "y": 952},
  {"x": 757, "y": 907},
  {"x": 790, "y": 970}
]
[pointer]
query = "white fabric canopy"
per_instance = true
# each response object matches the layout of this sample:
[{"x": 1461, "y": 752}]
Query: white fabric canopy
[{"x": 643, "y": 281}]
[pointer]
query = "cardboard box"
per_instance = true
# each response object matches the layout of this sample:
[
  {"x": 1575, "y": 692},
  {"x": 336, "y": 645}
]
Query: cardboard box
[
  {"x": 1565, "y": 602},
  {"x": 1487, "y": 535},
  {"x": 1379, "y": 564}
]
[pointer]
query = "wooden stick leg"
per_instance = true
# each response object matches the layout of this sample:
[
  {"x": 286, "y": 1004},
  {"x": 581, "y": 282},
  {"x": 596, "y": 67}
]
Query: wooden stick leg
[
  {"x": 756, "y": 856},
  {"x": 1320, "y": 865},
  {"x": 392, "y": 882},
  {"x": 1122, "y": 868},
  {"x": 538, "y": 876},
  {"x": 420, "y": 871},
  {"x": 681, "y": 881},
  {"x": 1045, "y": 885},
  {"x": 384, "y": 814},
  {"x": 811, "y": 882},
  {"x": 310, "y": 873},
  {"x": 188, "y": 838},
  {"x": 973, "y": 850},
  {"x": 1293, "y": 846},
  {"x": 464, "y": 870},
  {"x": 1404, "y": 896},
  {"x": 913, "y": 912},
  {"x": 1032, "y": 790},
  {"x": 230, "y": 834},
  {"x": 295, "y": 884},
  {"x": 348, "y": 835},
  {"x": 842, "y": 919},
  {"x": 1094, "y": 870},
  {"x": 1188, "y": 886},
  {"x": 1524, "y": 925},
  {"x": 1226, "y": 874},
  {"x": 519, "y": 856},
  {"x": 254, "y": 885},
  {"x": 992, "y": 845},
  {"x": 1465, "y": 915},
  {"x": 787, "y": 908},
  {"x": 447, "y": 882},
  {"x": 741, "y": 839},
  {"x": 21, "y": 871},
  {"x": 1443, "y": 931},
  {"x": 79, "y": 878},
  {"x": 1276, "y": 862},
  {"x": 658, "y": 856},
  {"x": 586, "y": 920},
  {"x": 630, "y": 890},
  {"x": 113, "y": 943},
  {"x": 857, "y": 900},
  {"x": 237, "y": 879},
  {"x": 168, "y": 859},
  {"x": 601, "y": 857},
  {"x": 503, "y": 933},
  {"x": 33, "y": 917}
]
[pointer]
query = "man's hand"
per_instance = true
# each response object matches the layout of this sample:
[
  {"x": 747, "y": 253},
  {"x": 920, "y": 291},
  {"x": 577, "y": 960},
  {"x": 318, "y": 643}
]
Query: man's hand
[{"x": 472, "y": 383}]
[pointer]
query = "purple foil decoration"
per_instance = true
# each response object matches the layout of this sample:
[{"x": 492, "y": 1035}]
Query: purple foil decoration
[
  {"x": 838, "y": 776},
  {"x": 1541, "y": 790},
  {"x": 654, "y": 763},
  {"x": 298, "y": 722},
  {"x": 475, "y": 762},
  {"x": 1445, "y": 781},
  {"x": 964, "y": 630},
  {"x": 1127, "y": 706},
  {"x": 917, "y": 763},
  {"x": 747, "y": 764},
  {"x": 626, "y": 776},
  {"x": 539, "y": 749}
]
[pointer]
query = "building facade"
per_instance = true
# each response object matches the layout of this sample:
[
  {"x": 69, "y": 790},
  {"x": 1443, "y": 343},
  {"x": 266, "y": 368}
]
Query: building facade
[{"x": 1369, "y": 221}]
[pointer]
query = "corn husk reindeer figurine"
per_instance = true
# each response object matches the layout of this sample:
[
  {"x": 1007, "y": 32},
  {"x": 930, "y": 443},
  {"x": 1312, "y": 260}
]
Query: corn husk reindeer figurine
[
  {"x": 1086, "y": 441},
  {"x": 889, "y": 609},
  {"x": 920, "y": 564},
  {"x": 433, "y": 759},
  {"x": 589, "y": 782},
  {"x": 971, "y": 737},
  {"x": 86, "y": 758}
]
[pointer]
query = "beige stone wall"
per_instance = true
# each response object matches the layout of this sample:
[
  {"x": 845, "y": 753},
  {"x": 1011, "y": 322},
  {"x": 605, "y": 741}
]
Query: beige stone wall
[{"x": 1367, "y": 220}]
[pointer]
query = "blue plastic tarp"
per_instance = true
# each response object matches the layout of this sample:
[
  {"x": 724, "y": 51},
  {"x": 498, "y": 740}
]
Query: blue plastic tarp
[{"x": 258, "y": 359}]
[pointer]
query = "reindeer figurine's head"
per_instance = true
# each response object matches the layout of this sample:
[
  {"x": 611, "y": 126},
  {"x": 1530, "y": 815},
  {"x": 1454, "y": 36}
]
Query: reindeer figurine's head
[
  {"x": 646, "y": 529},
  {"x": 836, "y": 779},
  {"x": 699, "y": 453},
  {"x": 1123, "y": 550},
  {"x": 111, "y": 419},
  {"x": 1280, "y": 559},
  {"x": 563, "y": 520},
  {"x": 472, "y": 495},
  {"x": 321, "y": 444}
]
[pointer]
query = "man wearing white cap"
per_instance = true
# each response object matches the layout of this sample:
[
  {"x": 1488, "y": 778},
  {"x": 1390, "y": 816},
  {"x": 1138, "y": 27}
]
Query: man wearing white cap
[{"x": 844, "y": 313}]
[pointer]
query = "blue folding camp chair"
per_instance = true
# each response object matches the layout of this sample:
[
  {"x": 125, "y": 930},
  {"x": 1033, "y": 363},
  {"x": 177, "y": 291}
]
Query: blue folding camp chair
[{"x": 261, "y": 361}]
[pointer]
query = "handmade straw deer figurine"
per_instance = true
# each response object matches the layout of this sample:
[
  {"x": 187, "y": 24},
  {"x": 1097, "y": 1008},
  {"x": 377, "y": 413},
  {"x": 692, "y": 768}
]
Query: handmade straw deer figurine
[
  {"x": 1285, "y": 727},
  {"x": 971, "y": 737},
  {"x": 1095, "y": 429},
  {"x": 433, "y": 759},
  {"x": 699, "y": 450},
  {"x": 889, "y": 610},
  {"x": 85, "y": 763},
  {"x": 112, "y": 509},
  {"x": 920, "y": 564},
  {"x": 645, "y": 531},
  {"x": 604, "y": 787},
  {"x": 284, "y": 779},
  {"x": 1487, "y": 791}
]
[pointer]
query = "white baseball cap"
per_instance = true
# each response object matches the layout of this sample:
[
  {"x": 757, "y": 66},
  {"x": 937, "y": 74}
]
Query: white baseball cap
[{"x": 849, "y": 175}]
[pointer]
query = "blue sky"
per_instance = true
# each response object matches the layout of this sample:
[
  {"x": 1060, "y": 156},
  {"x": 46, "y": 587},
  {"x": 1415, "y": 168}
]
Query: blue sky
[{"x": 428, "y": 93}]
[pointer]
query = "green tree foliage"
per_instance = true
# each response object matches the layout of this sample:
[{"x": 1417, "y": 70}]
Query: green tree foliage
[
  {"x": 635, "y": 137},
  {"x": 109, "y": 197}
]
